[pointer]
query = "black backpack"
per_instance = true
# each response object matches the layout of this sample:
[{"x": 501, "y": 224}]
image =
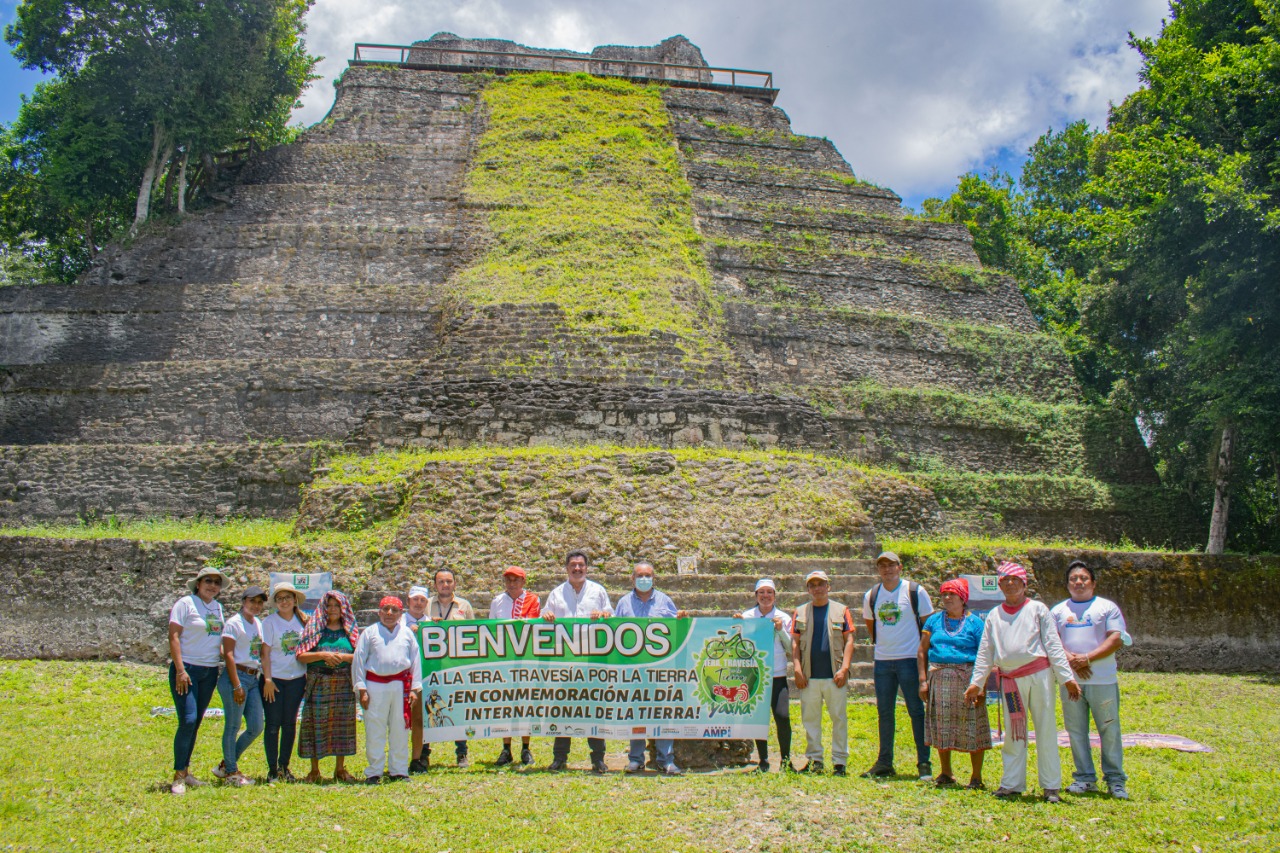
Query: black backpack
[{"x": 913, "y": 590}]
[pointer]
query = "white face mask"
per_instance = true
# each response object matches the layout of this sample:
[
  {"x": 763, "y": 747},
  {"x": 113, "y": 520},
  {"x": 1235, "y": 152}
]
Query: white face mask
[{"x": 644, "y": 584}]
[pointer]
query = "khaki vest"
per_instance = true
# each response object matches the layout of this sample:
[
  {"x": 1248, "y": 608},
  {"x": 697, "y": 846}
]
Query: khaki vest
[{"x": 835, "y": 626}]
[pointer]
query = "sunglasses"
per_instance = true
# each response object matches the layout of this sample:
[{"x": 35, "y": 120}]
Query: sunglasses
[{"x": 216, "y": 581}]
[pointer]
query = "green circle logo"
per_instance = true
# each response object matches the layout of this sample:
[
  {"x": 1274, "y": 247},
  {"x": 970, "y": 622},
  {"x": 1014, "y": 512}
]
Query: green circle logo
[{"x": 731, "y": 673}]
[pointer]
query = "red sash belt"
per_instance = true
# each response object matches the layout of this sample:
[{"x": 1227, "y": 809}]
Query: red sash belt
[
  {"x": 406, "y": 678},
  {"x": 1013, "y": 699}
]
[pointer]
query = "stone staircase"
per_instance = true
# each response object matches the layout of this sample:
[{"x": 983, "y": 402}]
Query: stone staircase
[{"x": 722, "y": 587}]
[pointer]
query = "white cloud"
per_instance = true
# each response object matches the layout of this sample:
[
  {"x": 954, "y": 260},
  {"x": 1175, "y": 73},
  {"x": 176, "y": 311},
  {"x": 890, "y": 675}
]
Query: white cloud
[{"x": 913, "y": 93}]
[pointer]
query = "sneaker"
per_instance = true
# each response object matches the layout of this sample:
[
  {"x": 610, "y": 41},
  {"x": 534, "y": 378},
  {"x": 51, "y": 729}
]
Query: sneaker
[
  {"x": 221, "y": 770},
  {"x": 419, "y": 765},
  {"x": 526, "y": 756},
  {"x": 812, "y": 767},
  {"x": 239, "y": 779},
  {"x": 558, "y": 765},
  {"x": 1007, "y": 793},
  {"x": 1118, "y": 791},
  {"x": 598, "y": 767},
  {"x": 924, "y": 772},
  {"x": 286, "y": 776},
  {"x": 1052, "y": 795},
  {"x": 1082, "y": 788},
  {"x": 399, "y": 778},
  {"x": 634, "y": 767},
  {"x": 504, "y": 758},
  {"x": 838, "y": 770},
  {"x": 179, "y": 786},
  {"x": 193, "y": 782},
  {"x": 878, "y": 771},
  {"x": 672, "y": 770},
  {"x": 373, "y": 780},
  {"x": 463, "y": 762}
]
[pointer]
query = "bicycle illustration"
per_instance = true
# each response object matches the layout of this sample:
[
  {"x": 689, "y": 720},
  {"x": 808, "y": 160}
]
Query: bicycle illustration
[
  {"x": 729, "y": 644},
  {"x": 434, "y": 705}
]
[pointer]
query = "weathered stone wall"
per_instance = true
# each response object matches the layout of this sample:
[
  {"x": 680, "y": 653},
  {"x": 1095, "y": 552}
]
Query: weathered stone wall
[{"x": 58, "y": 481}]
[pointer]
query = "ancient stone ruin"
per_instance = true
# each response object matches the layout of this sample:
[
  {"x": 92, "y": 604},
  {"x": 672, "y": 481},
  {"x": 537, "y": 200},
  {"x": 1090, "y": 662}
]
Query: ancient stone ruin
[{"x": 475, "y": 317}]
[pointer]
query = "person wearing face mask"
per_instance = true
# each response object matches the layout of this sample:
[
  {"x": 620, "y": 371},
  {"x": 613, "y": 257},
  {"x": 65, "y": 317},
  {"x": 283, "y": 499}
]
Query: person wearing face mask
[
  {"x": 780, "y": 697},
  {"x": 238, "y": 684},
  {"x": 514, "y": 602},
  {"x": 195, "y": 647},
  {"x": 418, "y": 599},
  {"x": 645, "y": 602}
]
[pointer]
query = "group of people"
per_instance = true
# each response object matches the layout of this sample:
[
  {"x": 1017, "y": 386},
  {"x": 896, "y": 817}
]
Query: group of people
[{"x": 265, "y": 669}]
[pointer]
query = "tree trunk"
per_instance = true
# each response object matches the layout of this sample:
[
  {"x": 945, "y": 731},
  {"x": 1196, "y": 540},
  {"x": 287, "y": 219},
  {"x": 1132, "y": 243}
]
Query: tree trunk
[
  {"x": 168, "y": 184},
  {"x": 1221, "y": 494},
  {"x": 143, "y": 207},
  {"x": 182, "y": 183}
]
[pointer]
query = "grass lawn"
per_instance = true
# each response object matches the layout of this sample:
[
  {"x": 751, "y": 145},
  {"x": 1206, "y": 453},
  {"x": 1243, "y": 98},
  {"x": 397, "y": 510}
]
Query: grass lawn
[{"x": 84, "y": 767}]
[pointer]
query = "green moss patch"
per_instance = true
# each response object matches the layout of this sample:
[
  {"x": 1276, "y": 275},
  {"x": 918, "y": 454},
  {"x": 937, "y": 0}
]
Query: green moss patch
[{"x": 588, "y": 209}]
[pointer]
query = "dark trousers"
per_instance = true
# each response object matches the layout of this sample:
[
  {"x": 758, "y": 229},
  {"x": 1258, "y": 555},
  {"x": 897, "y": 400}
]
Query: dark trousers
[
  {"x": 892, "y": 676},
  {"x": 190, "y": 707},
  {"x": 780, "y": 703},
  {"x": 459, "y": 749},
  {"x": 282, "y": 720},
  {"x": 560, "y": 748}
]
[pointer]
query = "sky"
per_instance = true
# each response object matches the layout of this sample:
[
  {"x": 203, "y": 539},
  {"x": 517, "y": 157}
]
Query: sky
[{"x": 914, "y": 93}]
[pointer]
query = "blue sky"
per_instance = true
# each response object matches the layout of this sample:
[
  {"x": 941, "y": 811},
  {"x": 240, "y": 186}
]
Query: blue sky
[{"x": 914, "y": 93}]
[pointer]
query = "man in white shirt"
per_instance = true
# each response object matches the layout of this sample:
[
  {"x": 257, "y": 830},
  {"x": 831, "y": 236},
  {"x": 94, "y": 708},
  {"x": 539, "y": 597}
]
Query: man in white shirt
[
  {"x": 1092, "y": 630},
  {"x": 1020, "y": 641},
  {"x": 387, "y": 673},
  {"x": 577, "y": 598},
  {"x": 893, "y": 612}
]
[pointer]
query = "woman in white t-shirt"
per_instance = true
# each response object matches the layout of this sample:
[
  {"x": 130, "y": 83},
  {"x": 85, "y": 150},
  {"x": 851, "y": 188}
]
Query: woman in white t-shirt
[
  {"x": 195, "y": 644},
  {"x": 283, "y": 679},
  {"x": 238, "y": 684},
  {"x": 780, "y": 697}
]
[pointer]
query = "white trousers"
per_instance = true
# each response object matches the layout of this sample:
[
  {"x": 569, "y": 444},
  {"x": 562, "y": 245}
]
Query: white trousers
[
  {"x": 1038, "y": 697},
  {"x": 812, "y": 698},
  {"x": 386, "y": 737}
]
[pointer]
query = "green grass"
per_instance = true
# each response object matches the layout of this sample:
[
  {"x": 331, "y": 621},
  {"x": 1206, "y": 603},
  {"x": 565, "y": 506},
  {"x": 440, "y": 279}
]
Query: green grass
[
  {"x": 588, "y": 208},
  {"x": 84, "y": 767},
  {"x": 233, "y": 532}
]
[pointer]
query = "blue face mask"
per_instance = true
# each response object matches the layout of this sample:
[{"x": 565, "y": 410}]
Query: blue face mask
[{"x": 644, "y": 584}]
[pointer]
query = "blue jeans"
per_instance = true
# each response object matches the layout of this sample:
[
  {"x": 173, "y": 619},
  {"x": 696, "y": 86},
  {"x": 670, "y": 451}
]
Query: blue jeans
[
  {"x": 666, "y": 752},
  {"x": 1103, "y": 700},
  {"x": 251, "y": 712},
  {"x": 890, "y": 677},
  {"x": 190, "y": 707}
]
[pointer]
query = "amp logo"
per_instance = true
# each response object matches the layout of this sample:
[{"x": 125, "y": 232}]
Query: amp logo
[{"x": 716, "y": 731}]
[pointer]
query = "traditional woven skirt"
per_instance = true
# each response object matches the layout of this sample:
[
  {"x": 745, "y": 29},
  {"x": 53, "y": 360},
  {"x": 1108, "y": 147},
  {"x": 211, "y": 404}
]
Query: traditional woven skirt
[
  {"x": 328, "y": 714},
  {"x": 949, "y": 721}
]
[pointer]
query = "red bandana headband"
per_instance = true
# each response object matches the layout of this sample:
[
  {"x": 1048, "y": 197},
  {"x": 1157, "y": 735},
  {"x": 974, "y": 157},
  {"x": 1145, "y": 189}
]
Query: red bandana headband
[
  {"x": 1011, "y": 570},
  {"x": 391, "y": 601},
  {"x": 959, "y": 586}
]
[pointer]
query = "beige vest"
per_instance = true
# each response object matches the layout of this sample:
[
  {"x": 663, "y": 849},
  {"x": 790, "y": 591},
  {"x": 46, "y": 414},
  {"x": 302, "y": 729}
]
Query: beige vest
[{"x": 803, "y": 625}]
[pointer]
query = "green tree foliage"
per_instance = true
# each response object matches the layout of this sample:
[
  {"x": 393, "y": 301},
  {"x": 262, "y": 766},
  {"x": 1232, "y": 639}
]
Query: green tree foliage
[
  {"x": 1153, "y": 248},
  {"x": 162, "y": 84}
]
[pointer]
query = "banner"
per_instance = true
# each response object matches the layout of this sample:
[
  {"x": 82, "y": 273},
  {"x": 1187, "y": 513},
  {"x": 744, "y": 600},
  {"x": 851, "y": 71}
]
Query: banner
[
  {"x": 984, "y": 593},
  {"x": 313, "y": 586},
  {"x": 612, "y": 678}
]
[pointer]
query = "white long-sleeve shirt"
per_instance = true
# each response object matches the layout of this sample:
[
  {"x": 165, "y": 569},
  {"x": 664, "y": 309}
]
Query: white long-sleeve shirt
[
  {"x": 1014, "y": 640},
  {"x": 386, "y": 652},
  {"x": 564, "y": 603}
]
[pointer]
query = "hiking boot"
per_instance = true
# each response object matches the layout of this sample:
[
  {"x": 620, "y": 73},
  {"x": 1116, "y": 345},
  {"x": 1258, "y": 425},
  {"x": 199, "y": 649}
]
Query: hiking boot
[
  {"x": 463, "y": 762},
  {"x": 1052, "y": 795},
  {"x": 526, "y": 756},
  {"x": 878, "y": 771},
  {"x": 504, "y": 758},
  {"x": 598, "y": 767},
  {"x": 838, "y": 770},
  {"x": 1082, "y": 788},
  {"x": 1118, "y": 791},
  {"x": 558, "y": 765}
]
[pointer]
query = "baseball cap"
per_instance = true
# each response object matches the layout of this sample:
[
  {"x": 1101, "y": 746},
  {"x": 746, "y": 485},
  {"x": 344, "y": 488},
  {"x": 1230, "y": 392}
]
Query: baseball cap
[
  {"x": 816, "y": 575},
  {"x": 765, "y": 583}
]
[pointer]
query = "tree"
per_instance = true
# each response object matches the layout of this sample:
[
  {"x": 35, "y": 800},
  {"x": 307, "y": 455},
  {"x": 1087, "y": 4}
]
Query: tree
[{"x": 191, "y": 76}]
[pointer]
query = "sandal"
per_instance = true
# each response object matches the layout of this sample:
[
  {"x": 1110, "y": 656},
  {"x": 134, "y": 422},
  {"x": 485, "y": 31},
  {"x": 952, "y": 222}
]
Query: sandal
[
  {"x": 976, "y": 785},
  {"x": 313, "y": 777},
  {"x": 943, "y": 780},
  {"x": 344, "y": 776}
]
